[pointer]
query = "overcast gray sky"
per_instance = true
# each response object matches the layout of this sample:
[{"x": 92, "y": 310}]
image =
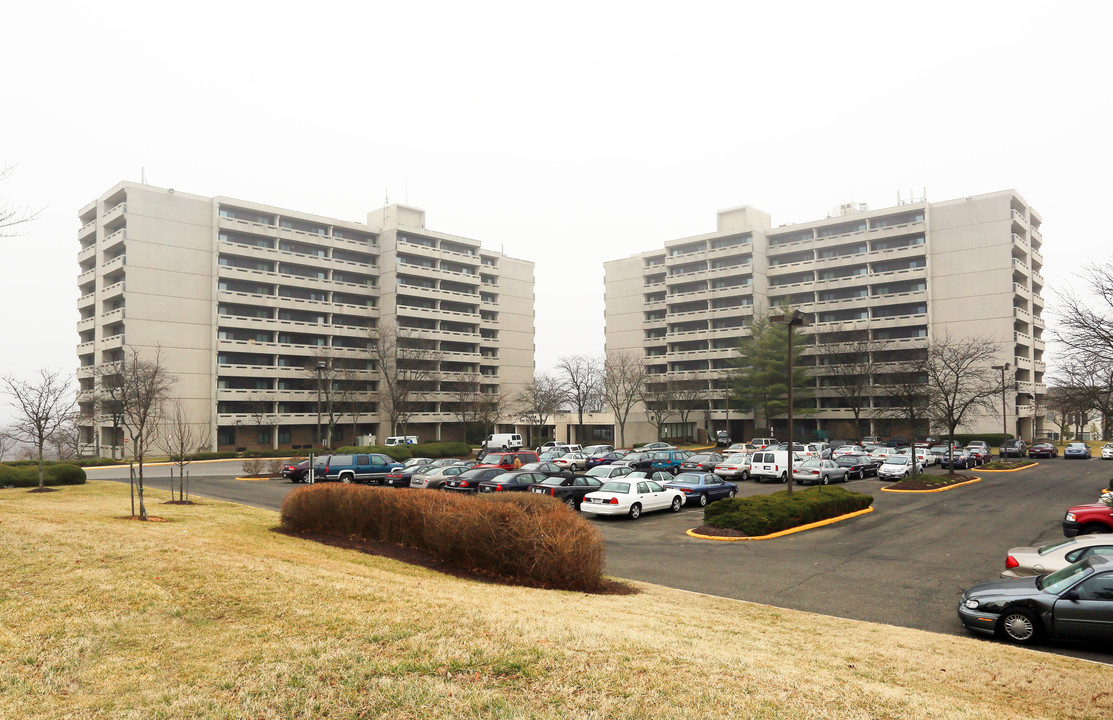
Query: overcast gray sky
[{"x": 567, "y": 134}]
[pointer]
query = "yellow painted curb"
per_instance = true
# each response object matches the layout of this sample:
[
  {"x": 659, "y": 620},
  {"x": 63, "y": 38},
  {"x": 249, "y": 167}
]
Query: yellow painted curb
[
  {"x": 942, "y": 489},
  {"x": 250, "y": 479},
  {"x": 1012, "y": 469},
  {"x": 782, "y": 533}
]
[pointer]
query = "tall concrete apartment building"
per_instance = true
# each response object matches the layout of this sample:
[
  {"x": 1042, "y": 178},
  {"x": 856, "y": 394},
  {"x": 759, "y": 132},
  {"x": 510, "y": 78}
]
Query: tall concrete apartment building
[
  {"x": 244, "y": 300},
  {"x": 968, "y": 267}
]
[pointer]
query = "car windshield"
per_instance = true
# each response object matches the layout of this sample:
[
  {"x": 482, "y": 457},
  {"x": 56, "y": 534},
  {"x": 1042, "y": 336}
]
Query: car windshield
[
  {"x": 616, "y": 487},
  {"x": 1059, "y": 581},
  {"x": 505, "y": 478},
  {"x": 554, "y": 481},
  {"x": 809, "y": 464},
  {"x": 1055, "y": 546},
  {"x": 897, "y": 460},
  {"x": 600, "y": 471},
  {"x": 688, "y": 479}
]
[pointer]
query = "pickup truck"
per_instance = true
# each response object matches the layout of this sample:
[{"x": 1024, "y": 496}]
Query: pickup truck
[{"x": 1086, "y": 519}]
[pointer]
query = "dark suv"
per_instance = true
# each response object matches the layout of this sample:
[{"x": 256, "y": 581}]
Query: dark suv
[
  {"x": 505, "y": 460},
  {"x": 354, "y": 468},
  {"x": 1013, "y": 448}
]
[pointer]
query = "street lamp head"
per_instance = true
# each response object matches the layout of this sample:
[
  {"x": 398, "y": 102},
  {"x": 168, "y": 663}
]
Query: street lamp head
[
  {"x": 321, "y": 364},
  {"x": 796, "y": 317}
]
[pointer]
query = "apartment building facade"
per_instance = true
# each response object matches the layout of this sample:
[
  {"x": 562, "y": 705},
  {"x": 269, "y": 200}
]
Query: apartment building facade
[
  {"x": 968, "y": 268},
  {"x": 255, "y": 308}
]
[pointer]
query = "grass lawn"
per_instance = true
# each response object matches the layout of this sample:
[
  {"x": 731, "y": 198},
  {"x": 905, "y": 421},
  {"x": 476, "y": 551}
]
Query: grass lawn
[{"x": 211, "y": 614}]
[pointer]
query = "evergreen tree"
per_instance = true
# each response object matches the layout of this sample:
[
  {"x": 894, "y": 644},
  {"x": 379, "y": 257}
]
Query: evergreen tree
[{"x": 760, "y": 378}]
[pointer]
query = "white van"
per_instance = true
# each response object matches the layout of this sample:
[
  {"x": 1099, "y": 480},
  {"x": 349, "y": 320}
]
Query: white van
[
  {"x": 772, "y": 465},
  {"x": 401, "y": 440},
  {"x": 503, "y": 441}
]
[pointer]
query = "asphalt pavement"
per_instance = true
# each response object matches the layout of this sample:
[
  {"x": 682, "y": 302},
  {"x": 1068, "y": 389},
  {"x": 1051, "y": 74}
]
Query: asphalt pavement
[{"x": 904, "y": 564}]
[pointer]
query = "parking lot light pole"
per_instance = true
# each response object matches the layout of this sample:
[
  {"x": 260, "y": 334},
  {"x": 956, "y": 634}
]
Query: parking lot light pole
[
  {"x": 797, "y": 318},
  {"x": 1004, "y": 414}
]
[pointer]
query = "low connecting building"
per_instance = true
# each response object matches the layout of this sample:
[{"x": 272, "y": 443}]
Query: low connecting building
[
  {"x": 267, "y": 318},
  {"x": 967, "y": 268}
]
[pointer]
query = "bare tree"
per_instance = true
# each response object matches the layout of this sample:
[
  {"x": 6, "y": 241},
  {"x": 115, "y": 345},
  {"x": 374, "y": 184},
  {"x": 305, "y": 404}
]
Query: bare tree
[
  {"x": 1089, "y": 377},
  {"x": 408, "y": 366},
  {"x": 623, "y": 377},
  {"x": 12, "y": 216},
  {"x": 960, "y": 381},
  {"x": 473, "y": 407},
  {"x": 538, "y": 400},
  {"x": 657, "y": 401},
  {"x": 1085, "y": 323},
  {"x": 106, "y": 404},
  {"x": 7, "y": 443},
  {"x": 328, "y": 371},
  {"x": 41, "y": 409},
  {"x": 260, "y": 408},
  {"x": 66, "y": 440},
  {"x": 142, "y": 387},
  {"x": 688, "y": 396},
  {"x": 582, "y": 379},
  {"x": 182, "y": 439},
  {"x": 849, "y": 369},
  {"x": 904, "y": 395}
]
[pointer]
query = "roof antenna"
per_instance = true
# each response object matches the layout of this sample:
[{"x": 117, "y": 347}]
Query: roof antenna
[
  {"x": 387, "y": 193},
  {"x": 143, "y": 175}
]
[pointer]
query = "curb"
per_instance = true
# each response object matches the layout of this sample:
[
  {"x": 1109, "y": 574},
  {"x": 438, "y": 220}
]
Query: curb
[
  {"x": 1026, "y": 467},
  {"x": 160, "y": 463},
  {"x": 782, "y": 533},
  {"x": 254, "y": 479},
  {"x": 935, "y": 490}
]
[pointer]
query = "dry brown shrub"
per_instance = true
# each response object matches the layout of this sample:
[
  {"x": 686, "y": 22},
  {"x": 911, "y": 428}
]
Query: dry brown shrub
[
  {"x": 274, "y": 466},
  {"x": 522, "y": 537},
  {"x": 253, "y": 466}
]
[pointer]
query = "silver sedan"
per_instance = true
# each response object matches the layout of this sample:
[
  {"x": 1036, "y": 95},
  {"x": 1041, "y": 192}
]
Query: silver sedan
[
  {"x": 1028, "y": 561},
  {"x": 818, "y": 472}
]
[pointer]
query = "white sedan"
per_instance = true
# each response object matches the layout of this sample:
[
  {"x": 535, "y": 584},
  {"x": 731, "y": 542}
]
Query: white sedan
[
  {"x": 631, "y": 497},
  {"x": 1107, "y": 451},
  {"x": 572, "y": 461},
  {"x": 1027, "y": 561}
]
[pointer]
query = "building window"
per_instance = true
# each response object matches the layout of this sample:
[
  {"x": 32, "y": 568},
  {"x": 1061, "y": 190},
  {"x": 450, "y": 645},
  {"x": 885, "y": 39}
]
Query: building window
[
  {"x": 226, "y": 436},
  {"x": 283, "y": 434}
]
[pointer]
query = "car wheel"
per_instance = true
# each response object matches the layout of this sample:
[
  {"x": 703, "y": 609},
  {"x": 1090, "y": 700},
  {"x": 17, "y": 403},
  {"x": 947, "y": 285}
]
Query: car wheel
[
  {"x": 784, "y": 477},
  {"x": 570, "y": 502},
  {"x": 346, "y": 479},
  {"x": 676, "y": 504},
  {"x": 745, "y": 475},
  {"x": 703, "y": 500},
  {"x": 733, "y": 492},
  {"x": 826, "y": 480},
  {"x": 675, "y": 471},
  {"x": 1019, "y": 626},
  {"x": 1094, "y": 529},
  {"x": 636, "y": 510}
]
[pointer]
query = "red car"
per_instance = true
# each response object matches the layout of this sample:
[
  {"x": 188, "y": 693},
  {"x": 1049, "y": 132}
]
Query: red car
[
  {"x": 1086, "y": 519},
  {"x": 1043, "y": 450}
]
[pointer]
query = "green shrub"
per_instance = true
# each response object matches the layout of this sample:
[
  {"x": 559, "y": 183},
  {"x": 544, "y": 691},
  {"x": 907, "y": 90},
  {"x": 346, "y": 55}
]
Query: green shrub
[
  {"x": 765, "y": 514},
  {"x": 28, "y": 475},
  {"x": 527, "y": 538},
  {"x": 214, "y": 455}
]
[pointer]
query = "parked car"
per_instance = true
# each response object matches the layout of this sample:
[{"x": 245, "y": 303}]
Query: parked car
[
  {"x": 1088, "y": 519},
  {"x": 1077, "y": 450},
  {"x": 740, "y": 448},
  {"x": 548, "y": 469},
  {"x": 702, "y": 487},
  {"x": 596, "y": 449},
  {"x": 654, "y": 447},
  {"x": 847, "y": 449},
  {"x": 516, "y": 481},
  {"x": 572, "y": 461},
  {"x": 507, "y": 460},
  {"x": 605, "y": 458},
  {"x": 396, "y": 440},
  {"x": 957, "y": 457},
  {"x": 502, "y": 441},
  {"x": 857, "y": 465},
  {"x": 722, "y": 439},
  {"x": 400, "y": 477},
  {"x": 978, "y": 455},
  {"x": 417, "y": 461},
  {"x": 817, "y": 471},
  {"x": 1047, "y": 450},
  {"x": 631, "y": 497},
  {"x": 817, "y": 450},
  {"x": 1107, "y": 451},
  {"x": 296, "y": 472},
  {"x": 703, "y": 462},
  {"x": 938, "y": 451},
  {"x": 551, "y": 455},
  {"x": 1071, "y": 604},
  {"x": 669, "y": 460},
  {"x": 771, "y": 465},
  {"x": 979, "y": 444},
  {"x": 434, "y": 477},
  {"x": 637, "y": 460},
  {"x": 569, "y": 491},
  {"x": 607, "y": 472},
  {"x": 762, "y": 443},
  {"x": 735, "y": 466},
  {"x": 353, "y": 468},
  {"x": 468, "y": 482},
  {"x": 898, "y": 467},
  {"x": 1013, "y": 448},
  {"x": 1026, "y": 561},
  {"x": 659, "y": 476}
]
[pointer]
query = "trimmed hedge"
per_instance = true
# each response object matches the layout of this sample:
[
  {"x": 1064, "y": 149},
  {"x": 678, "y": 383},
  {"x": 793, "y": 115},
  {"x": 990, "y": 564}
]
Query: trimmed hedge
[
  {"x": 80, "y": 462},
  {"x": 523, "y": 537},
  {"x": 765, "y": 514},
  {"x": 28, "y": 476},
  {"x": 402, "y": 453}
]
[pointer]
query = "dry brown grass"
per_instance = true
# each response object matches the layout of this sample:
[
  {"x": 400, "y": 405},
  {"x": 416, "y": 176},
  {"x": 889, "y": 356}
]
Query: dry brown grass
[{"x": 212, "y": 615}]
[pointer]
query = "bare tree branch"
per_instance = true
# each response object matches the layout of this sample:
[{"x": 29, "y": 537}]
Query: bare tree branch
[
  {"x": 42, "y": 408},
  {"x": 624, "y": 376},
  {"x": 12, "y": 216}
]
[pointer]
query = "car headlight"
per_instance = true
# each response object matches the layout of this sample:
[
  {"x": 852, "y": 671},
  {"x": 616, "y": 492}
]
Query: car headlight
[
  {"x": 972, "y": 604},
  {"x": 1071, "y": 517}
]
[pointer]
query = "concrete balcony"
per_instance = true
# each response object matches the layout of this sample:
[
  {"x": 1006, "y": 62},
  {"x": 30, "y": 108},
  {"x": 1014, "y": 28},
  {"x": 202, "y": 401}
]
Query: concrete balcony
[
  {"x": 1018, "y": 217},
  {"x": 86, "y": 371},
  {"x": 1039, "y": 366},
  {"x": 1037, "y": 257},
  {"x": 85, "y": 347},
  {"x": 1037, "y": 279},
  {"x": 1022, "y": 338},
  {"x": 113, "y": 290},
  {"x": 89, "y": 228},
  {"x": 1020, "y": 242},
  {"x": 1025, "y": 387},
  {"x": 1022, "y": 291},
  {"x": 1039, "y": 345},
  {"x": 115, "y": 263},
  {"x": 1022, "y": 362},
  {"x": 86, "y": 300},
  {"x": 119, "y": 236},
  {"x": 86, "y": 276},
  {"x": 1038, "y": 322},
  {"x": 1025, "y": 410},
  {"x": 1039, "y": 388},
  {"x": 115, "y": 211},
  {"x": 112, "y": 316},
  {"x": 86, "y": 324},
  {"x": 113, "y": 342},
  {"x": 1021, "y": 266},
  {"x": 1022, "y": 315},
  {"x": 86, "y": 253}
]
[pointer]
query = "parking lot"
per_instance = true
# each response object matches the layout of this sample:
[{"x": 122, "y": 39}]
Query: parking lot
[{"x": 903, "y": 564}]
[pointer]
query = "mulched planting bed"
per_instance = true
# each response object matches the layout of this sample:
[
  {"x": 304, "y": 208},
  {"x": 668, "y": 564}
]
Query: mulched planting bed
[
  {"x": 718, "y": 532},
  {"x": 930, "y": 482},
  {"x": 1008, "y": 465}
]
